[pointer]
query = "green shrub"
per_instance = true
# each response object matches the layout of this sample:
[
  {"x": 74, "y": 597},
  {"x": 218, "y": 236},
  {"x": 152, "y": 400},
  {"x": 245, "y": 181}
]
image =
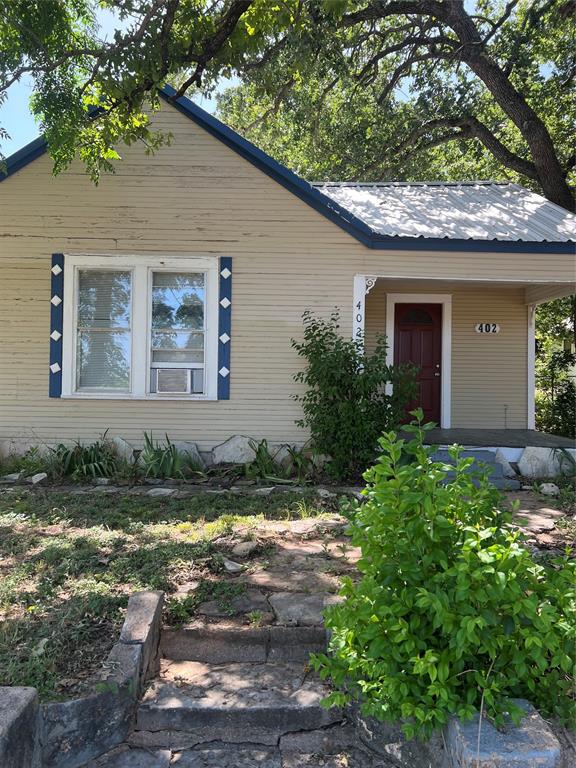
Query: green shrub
[
  {"x": 164, "y": 459},
  {"x": 451, "y": 615},
  {"x": 346, "y": 404},
  {"x": 83, "y": 462},
  {"x": 556, "y": 413}
]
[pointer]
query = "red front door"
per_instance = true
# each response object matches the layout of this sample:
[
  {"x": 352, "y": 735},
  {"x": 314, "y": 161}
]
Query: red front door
[{"x": 418, "y": 340}]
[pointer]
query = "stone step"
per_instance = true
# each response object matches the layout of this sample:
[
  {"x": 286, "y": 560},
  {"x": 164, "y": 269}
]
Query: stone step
[
  {"x": 223, "y": 645},
  {"x": 278, "y": 698},
  {"x": 222, "y": 755}
]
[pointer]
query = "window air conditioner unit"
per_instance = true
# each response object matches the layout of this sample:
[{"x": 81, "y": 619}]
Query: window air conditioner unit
[{"x": 173, "y": 381}]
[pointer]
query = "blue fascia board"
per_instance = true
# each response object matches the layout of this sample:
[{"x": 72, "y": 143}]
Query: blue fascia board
[
  {"x": 23, "y": 156},
  {"x": 309, "y": 194}
]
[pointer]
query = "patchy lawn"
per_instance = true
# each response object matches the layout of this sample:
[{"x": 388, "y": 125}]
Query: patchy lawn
[{"x": 69, "y": 562}]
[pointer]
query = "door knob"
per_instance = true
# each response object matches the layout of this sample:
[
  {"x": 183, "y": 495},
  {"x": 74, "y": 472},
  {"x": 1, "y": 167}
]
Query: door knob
[{"x": 437, "y": 373}]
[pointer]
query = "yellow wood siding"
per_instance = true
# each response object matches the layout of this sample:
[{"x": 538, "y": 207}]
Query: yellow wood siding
[
  {"x": 197, "y": 197},
  {"x": 489, "y": 381}
]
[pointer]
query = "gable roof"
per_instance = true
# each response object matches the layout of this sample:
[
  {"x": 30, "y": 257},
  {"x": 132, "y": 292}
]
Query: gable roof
[{"x": 364, "y": 215}]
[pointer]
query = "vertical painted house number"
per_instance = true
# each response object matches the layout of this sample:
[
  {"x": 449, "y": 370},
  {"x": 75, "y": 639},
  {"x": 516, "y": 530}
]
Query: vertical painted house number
[{"x": 487, "y": 328}]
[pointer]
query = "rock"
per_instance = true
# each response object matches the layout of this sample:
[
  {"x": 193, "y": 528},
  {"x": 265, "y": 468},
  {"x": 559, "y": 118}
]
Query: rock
[
  {"x": 549, "y": 489},
  {"x": 531, "y": 744},
  {"x": 38, "y": 479},
  {"x": 235, "y": 450},
  {"x": 142, "y": 626},
  {"x": 161, "y": 492},
  {"x": 128, "y": 757},
  {"x": 18, "y": 727},
  {"x": 231, "y": 567},
  {"x": 263, "y": 491},
  {"x": 297, "y": 609},
  {"x": 191, "y": 451},
  {"x": 251, "y": 601},
  {"x": 324, "y": 493},
  {"x": 153, "y": 481},
  {"x": 123, "y": 449},
  {"x": 101, "y": 481},
  {"x": 542, "y": 462},
  {"x": 507, "y": 468},
  {"x": 14, "y": 477},
  {"x": 245, "y": 548}
]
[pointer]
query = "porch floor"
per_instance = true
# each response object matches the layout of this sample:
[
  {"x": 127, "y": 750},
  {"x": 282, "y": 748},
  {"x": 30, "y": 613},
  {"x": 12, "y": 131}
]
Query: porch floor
[{"x": 498, "y": 438}]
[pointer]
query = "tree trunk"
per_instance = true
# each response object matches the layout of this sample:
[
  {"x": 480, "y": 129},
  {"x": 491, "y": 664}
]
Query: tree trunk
[{"x": 550, "y": 173}]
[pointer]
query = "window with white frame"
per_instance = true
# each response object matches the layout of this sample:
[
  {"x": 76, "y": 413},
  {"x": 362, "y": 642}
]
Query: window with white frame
[{"x": 139, "y": 327}]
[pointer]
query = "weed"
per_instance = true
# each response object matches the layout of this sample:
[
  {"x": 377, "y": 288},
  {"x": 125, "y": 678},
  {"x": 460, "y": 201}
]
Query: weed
[{"x": 255, "y": 618}]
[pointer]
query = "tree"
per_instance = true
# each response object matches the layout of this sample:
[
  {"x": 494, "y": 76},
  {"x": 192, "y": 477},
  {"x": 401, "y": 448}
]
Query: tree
[
  {"x": 556, "y": 366},
  {"x": 90, "y": 94},
  {"x": 420, "y": 90},
  {"x": 482, "y": 74}
]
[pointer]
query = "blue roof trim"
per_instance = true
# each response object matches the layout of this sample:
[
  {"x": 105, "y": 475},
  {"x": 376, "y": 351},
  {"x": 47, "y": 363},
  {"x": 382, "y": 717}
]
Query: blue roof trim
[
  {"x": 310, "y": 195},
  {"x": 23, "y": 156}
]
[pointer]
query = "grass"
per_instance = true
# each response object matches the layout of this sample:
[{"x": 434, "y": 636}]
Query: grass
[{"x": 68, "y": 564}]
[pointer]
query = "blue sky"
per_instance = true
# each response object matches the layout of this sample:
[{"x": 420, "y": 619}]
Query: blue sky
[{"x": 15, "y": 114}]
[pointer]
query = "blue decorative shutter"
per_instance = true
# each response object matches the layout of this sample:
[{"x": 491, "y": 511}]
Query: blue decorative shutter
[
  {"x": 224, "y": 327},
  {"x": 56, "y": 324}
]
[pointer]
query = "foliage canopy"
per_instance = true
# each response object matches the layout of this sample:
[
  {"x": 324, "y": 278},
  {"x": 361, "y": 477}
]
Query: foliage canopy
[
  {"x": 452, "y": 615},
  {"x": 374, "y": 87}
]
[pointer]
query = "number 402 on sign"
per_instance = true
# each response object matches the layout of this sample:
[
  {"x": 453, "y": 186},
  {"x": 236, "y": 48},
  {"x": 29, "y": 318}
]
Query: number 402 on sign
[{"x": 487, "y": 328}]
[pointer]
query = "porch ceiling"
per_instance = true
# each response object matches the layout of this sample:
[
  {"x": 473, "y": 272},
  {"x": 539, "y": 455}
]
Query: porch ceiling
[{"x": 535, "y": 292}]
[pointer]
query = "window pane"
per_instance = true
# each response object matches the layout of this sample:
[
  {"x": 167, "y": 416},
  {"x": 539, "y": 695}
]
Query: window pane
[
  {"x": 103, "y": 360},
  {"x": 178, "y": 300},
  {"x": 103, "y": 299},
  {"x": 175, "y": 356},
  {"x": 177, "y": 340}
]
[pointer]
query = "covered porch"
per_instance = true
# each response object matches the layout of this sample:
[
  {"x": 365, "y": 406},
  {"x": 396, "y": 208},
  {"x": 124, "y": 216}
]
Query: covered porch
[
  {"x": 473, "y": 343},
  {"x": 498, "y": 438}
]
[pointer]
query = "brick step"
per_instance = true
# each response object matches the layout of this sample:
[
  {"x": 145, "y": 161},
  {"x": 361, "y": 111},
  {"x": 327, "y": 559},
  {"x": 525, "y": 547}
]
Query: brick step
[
  {"x": 277, "y": 698},
  {"x": 223, "y": 645}
]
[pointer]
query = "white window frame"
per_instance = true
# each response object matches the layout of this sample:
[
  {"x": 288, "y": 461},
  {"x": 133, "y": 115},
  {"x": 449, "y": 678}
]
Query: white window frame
[{"x": 141, "y": 268}]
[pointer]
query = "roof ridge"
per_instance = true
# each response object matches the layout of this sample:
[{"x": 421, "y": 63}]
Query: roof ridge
[{"x": 482, "y": 183}]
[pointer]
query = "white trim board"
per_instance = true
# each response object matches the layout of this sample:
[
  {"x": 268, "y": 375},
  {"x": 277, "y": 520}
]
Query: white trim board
[
  {"x": 445, "y": 299},
  {"x": 531, "y": 368}
]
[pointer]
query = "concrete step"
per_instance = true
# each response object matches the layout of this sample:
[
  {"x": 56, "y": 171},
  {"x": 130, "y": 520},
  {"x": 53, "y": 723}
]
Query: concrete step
[
  {"x": 274, "y": 697},
  {"x": 488, "y": 457},
  {"x": 482, "y": 460},
  {"x": 222, "y": 645}
]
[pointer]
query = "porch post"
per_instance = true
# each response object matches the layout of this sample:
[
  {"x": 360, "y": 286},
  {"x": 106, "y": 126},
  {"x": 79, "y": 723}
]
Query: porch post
[
  {"x": 363, "y": 284},
  {"x": 531, "y": 372}
]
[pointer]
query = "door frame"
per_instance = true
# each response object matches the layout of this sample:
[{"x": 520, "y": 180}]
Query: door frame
[{"x": 445, "y": 299}]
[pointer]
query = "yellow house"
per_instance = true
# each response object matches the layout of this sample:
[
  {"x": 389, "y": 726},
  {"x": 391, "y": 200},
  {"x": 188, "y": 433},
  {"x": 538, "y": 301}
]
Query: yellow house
[{"x": 165, "y": 299}]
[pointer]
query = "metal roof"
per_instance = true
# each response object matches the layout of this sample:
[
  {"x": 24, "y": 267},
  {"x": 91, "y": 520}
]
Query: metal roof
[{"x": 465, "y": 211}]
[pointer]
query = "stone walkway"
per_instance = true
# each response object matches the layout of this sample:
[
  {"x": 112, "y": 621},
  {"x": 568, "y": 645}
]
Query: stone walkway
[{"x": 235, "y": 689}]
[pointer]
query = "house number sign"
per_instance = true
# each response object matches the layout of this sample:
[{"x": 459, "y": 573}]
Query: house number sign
[{"x": 487, "y": 328}]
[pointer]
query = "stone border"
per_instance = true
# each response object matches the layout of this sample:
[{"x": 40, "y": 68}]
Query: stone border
[{"x": 69, "y": 734}]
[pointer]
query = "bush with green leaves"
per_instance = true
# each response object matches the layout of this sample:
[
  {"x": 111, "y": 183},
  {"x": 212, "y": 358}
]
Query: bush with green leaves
[
  {"x": 452, "y": 614},
  {"x": 82, "y": 462},
  {"x": 347, "y": 403},
  {"x": 164, "y": 459}
]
